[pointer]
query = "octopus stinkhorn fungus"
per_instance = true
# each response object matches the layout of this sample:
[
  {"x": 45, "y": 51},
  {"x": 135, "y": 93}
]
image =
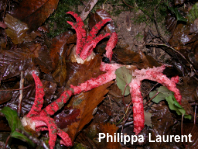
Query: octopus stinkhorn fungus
[{"x": 39, "y": 119}]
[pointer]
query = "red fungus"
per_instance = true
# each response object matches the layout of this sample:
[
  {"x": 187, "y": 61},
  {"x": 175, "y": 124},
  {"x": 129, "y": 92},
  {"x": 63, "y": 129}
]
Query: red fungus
[
  {"x": 86, "y": 44},
  {"x": 154, "y": 74},
  {"x": 40, "y": 119}
]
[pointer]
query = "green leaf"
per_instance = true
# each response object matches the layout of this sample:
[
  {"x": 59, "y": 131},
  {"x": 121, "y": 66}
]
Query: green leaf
[
  {"x": 22, "y": 137},
  {"x": 12, "y": 118},
  {"x": 15, "y": 123},
  {"x": 171, "y": 103},
  {"x": 147, "y": 117},
  {"x": 158, "y": 98},
  {"x": 165, "y": 91},
  {"x": 175, "y": 11},
  {"x": 165, "y": 94},
  {"x": 123, "y": 78}
]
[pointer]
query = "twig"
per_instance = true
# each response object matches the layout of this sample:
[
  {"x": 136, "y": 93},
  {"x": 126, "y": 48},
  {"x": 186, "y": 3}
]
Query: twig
[
  {"x": 157, "y": 28},
  {"x": 4, "y": 13},
  {"x": 6, "y": 143},
  {"x": 21, "y": 94},
  {"x": 87, "y": 9},
  {"x": 151, "y": 98},
  {"x": 7, "y": 90},
  {"x": 195, "y": 114},
  {"x": 126, "y": 124},
  {"x": 127, "y": 4},
  {"x": 34, "y": 139},
  {"x": 151, "y": 90},
  {"x": 157, "y": 44}
]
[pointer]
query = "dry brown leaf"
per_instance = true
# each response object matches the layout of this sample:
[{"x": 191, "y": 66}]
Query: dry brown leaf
[
  {"x": 79, "y": 73},
  {"x": 60, "y": 73},
  {"x": 34, "y": 12},
  {"x": 16, "y": 30},
  {"x": 86, "y": 102},
  {"x": 126, "y": 56},
  {"x": 111, "y": 129},
  {"x": 101, "y": 14},
  {"x": 57, "y": 48},
  {"x": 190, "y": 128}
]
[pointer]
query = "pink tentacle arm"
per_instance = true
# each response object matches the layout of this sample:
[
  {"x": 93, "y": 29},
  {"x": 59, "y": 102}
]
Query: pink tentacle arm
[
  {"x": 80, "y": 31},
  {"x": 86, "y": 44},
  {"x": 154, "y": 74},
  {"x": 138, "y": 109},
  {"x": 100, "y": 80},
  {"x": 92, "y": 40},
  {"x": 39, "y": 93},
  {"x": 96, "y": 28},
  {"x": 111, "y": 45},
  {"x": 39, "y": 120},
  {"x": 89, "y": 46},
  {"x": 53, "y": 130}
]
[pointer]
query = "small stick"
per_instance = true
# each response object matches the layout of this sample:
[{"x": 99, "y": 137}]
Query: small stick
[
  {"x": 21, "y": 94},
  {"x": 157, "y": 28},
  {"x": 151, "y": 98},
  {"x": 195, "y": 114},
  {"x": 7, "y": 90},
  {"x": 87, "y": 9}
]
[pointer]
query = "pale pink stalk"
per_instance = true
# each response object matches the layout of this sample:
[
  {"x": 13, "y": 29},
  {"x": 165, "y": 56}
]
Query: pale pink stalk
[
  {"x": 100, "y": 80},
  {"x": 154, "y": 74}
]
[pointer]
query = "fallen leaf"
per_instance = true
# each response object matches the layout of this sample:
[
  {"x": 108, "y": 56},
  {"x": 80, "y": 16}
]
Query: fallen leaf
[
  {"x": 15, "y": 124},
  {"x": 16, "y": 30},
  {"x": 168, "y": 95},
  {"x": 147, "y": 118},
  {"x": 60, "y": 72},
  {"x": 58, "y": 48},
  {"x": 123, "y": 78},
  {"x": 5, "y": 96},
  {"x": 99, "y": 15},
  {"x": 111, "y": 129},
  {"x": 33, "y": 12},
  {"x": 86, "y": 102},
  {"x": 66, "y": 117}
]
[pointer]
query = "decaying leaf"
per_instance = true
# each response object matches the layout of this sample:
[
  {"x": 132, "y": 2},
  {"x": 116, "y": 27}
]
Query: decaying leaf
[
  {"x": 58, "y": 48},
  {"x": 16, "y": 30},
  {"x": 86, "y": 102},
  {"x": 111, "y": 129},
  {"x": 99, "y": 15},
  {"x": 5, "y": 96},
  {"x": 60, "y": 72},
  {"x": 66, "y": 117},
  {"x": 13, "y": 62},
  {"x": 34, "y": 12},
  {"x": 147, "y": 116},
  {"x": 190, "y": 128},
  {"x": 163, "y": 123}
]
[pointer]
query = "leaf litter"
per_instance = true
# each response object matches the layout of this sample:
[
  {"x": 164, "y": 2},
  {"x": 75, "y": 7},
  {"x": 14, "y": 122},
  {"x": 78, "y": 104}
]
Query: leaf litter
[{"x": 27, "y": 49}]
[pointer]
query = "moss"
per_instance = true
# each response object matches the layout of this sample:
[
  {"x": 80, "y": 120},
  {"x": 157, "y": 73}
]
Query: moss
[
  {"x": 147, "y": 7},
  {"x": 57, "y": 21},
  {"x": 140, "y": 19},
  {"x": 139, "y": 36}
]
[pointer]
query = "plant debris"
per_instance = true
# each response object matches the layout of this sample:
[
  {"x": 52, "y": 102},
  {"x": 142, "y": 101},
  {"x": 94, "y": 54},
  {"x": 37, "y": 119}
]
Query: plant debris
[{"x": 92, "y": 68}]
